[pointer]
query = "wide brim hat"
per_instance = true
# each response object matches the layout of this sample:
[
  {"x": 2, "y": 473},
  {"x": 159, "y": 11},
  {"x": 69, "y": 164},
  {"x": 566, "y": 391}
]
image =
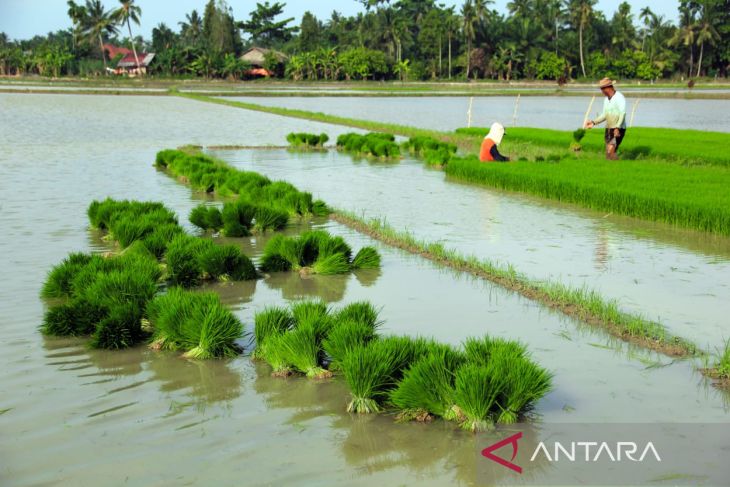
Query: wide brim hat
[{"x": 605, "y": 83}]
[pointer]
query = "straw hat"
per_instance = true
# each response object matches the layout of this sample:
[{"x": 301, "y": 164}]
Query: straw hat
[{"x": 605, "y": 83}]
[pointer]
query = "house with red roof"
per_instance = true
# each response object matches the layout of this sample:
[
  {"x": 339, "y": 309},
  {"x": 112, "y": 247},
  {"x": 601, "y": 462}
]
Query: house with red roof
[{"x": 127, "y": 63}]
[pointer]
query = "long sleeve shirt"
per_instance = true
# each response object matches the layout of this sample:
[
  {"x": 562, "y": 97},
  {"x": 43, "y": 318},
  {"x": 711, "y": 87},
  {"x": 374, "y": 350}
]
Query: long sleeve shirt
[
  {"x": 614, "y": 112},
  {"x": 489, "y": 152}
]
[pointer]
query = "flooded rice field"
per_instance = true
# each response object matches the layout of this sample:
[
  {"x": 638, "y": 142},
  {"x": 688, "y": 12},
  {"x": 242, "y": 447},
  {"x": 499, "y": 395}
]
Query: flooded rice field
[
  {"x": 138, "y": 417},
  {"x": 679, "y": 278},
  {"x": 566, "y": 113}
]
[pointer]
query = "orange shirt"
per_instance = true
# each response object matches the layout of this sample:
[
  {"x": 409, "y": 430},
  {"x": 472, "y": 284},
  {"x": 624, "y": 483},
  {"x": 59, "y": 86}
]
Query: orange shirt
[{"x": 485, "y": 154}]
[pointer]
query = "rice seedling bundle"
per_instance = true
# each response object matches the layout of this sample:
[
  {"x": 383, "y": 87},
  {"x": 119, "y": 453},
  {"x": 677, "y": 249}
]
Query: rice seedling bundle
[
  {"x": 237, "y": 218},
  {"x": 270, "y": 321},
  {"x": 191, "y": 260},
  {"x": 371, "y": 371},
  {"x": 432, "y": 151},
  {"x": 196, "y": 323},
  {"x": 476, "y": 390},
  {"x": 429, "y": 384},
  {"x": 206, "y": 217},
  {"x": 317, "y": 252},
  {"x": 205, "y": 173},
  {"x": 304, "y": 140},
  {"x": 344, "y": 336},
  {"x": 690, "y": 197},
  {"x": 374, "y": 144}
]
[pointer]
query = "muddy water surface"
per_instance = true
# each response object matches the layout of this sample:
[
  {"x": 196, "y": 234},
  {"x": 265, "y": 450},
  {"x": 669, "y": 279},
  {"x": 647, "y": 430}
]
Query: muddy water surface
[{"x": 73, "y": 416}]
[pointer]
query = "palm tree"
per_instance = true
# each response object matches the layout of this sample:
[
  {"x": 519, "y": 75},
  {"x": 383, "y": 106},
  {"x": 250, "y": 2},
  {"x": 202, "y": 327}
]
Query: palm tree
[
  {"x": 648, "y": 17},
  {"x": 77, "y": 13},
  {"x": 686, "y": 33},
  {"x": 127, "y": 12},
  {"x": 472, "y": 13},
  {"x": 581, "y": 14},
  {"x": 451, "y": 25},
  {"x": 97, "y": 23},
  {"x": 555, "y": 14},
  {"x": 520, "y": 8},
  {"x": 706, "y": 31},
  {"x": 192, "y": 29}
]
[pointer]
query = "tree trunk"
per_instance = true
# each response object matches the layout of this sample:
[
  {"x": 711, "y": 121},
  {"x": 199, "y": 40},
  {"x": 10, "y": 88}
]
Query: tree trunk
[
  {"x": 449, "y": 55},
  {"x": 691, "y": 60},
  {"x": 556, "y": 36},
  {"x": 699, "y": 62},
  {"x": 103, "y": 56},
  {"x": 468, "y": 58},
  {"x": 440, "y": 56},
  {"x": 580, "y": 42},
  {"x": 134, "y": 49}
]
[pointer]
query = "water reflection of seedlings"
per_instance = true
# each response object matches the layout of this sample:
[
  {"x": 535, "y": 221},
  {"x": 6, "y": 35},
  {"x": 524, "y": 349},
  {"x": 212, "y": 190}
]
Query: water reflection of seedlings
[
  {"x": 296, "y": 286},
  {"x": 206, "y": 382}
]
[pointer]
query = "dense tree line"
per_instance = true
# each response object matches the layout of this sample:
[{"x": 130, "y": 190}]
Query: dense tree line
[{"x": 399, "y": 39}]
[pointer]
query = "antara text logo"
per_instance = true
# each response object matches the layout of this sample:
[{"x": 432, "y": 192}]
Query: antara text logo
[{"x": 574, "y": 451}]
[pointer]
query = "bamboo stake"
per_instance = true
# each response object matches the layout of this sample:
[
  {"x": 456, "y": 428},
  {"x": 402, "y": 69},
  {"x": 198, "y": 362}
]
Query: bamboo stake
[
  {"x": 468, "y": 113},
  {"x": 514, "y": 115},
  {"x": 633, "y": 112},
  {"x": 588, "y": 112}
]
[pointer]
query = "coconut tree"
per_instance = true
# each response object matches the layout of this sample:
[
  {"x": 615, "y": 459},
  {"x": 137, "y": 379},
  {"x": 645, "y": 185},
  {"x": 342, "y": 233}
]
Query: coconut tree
[
  {"x": 451, "y": 26},
  {"x": 581, "y": 13},
  {"x": 127, "y": 13},
  {"x": 647, "y": 17},
  {"x": 97, "y": 23},
  {"x": 191, "y": 30},
  {"x": 686, "y": 34},
  {"x": 77, "y": 13},
  {"x": 472, "y": 13},
  {"x": 706, "y": 31}
]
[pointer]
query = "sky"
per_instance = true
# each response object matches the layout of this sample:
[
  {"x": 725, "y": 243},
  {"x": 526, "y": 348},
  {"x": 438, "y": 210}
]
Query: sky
[{"x": 22, "y": 19}]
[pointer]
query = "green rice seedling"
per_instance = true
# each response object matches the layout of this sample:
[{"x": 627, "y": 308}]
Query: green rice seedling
[
  {"x": 526, "y": 383},
  {"x": 373, "y": 144},
  {"x": 432, "y": 151},
  {"x": 218, "y": 261},
  {"x": 303, "y": 140},
  {"x": 273, "y": 320},
  {"x": 211, "y": 331},
  {"x": 206, "y": 217},
  {"x": 273, "y": 258},
  {"x": 429, "y": 384},
  {"x": 58, "y": 281},
  {"x": 308, "y": 310},
  {"x": 183, "y": 266},
  {"x": 723, "y": 363},
  {"x": 120, "y": 287},
  {"x": 194, "y": 322},
  {"x": 480, "y": 351},
  {"x": 577, "y": 137},
  {"x": 75, "y": 318},
  {"x": 331, "y": 265},
  {"x": 301, "y": 348},
  {"x": 366, "y": 258},
  {"x": 362, "y": 312},
  {"x": 476, "y": 389},
  {"x": 157, "y": 241},
  {"x": 238, "y": 218},
  {"x": 121, "y": 329},
  {"x": 371, "y": 371},
  {"x": 273, "y": 352},
  {"x": 345, "y": 335},
  {"x": 268, "y": 218}
]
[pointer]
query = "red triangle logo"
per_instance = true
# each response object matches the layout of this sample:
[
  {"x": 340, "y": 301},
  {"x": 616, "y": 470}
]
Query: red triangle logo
[{"x": 512, "y": 440}]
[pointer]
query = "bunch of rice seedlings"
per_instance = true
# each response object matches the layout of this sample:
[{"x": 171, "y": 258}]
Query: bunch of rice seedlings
[
  {"x": 300, "y": 140},
  {"x": 722, "y": 366},
  {"x": 577, "y": 137},
  {"x": 238, "y": 218},
  {"x": 78, "y": 317},
  {"x": 270, "y": 321},
  {"x": 315, "y": 252},
  {"x": 269, "y": 218},
  {"x": 481, "y": 350},
  {"x": 360, "y": 312},
  {"x": 301, "y": 348},
  {"x": 206, "y": 217},
  {"x": 433, "y": 151},
  {"x": 58, "y": 281},
  {"x": 274, "y": 352},
  {"x": 122, "y": 328},
  {"x": 429, "y": 384},
  {"x": 371, "y": 371},
  {"x": 191, "y": 260},
  {"x": 194, "y": 322},
  {"x": 476, "y": 390},
  {"x": 374, "y": 144},
  {"x": 345, "y": 335}
]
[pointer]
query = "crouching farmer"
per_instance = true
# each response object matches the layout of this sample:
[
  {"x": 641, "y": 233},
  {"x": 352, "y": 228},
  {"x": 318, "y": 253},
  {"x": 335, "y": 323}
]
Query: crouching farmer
[
  {"x": 614, "y": 114},
  {"x": 489, "y": 150}
]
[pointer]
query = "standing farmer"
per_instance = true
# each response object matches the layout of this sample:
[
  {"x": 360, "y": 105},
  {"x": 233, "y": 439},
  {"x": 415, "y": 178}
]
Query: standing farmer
[{"x": 614, "y": 114}]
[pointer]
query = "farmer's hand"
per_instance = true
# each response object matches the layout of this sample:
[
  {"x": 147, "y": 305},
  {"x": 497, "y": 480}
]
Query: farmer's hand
[
  {"x": 589, "y": 124},
  {"x": 616, "y": 132}
]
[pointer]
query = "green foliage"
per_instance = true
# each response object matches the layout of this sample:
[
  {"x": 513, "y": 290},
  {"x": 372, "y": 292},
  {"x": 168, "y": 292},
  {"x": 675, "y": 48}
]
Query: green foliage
[
  {"x": 550, "y": 66},
  {"x": 317, "y": 252},
  {"x": 270, "y": 321},
  {"x": 578, "y": 135},
  {"x": 362, "y": 63},
  {"x": 304, "y": 140},
  {"x": 374, "y": 144},
  {"x": 191, "y": 260},
  {"x": 723, "y": 363},
  {"x": 206, "y": 218}
]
